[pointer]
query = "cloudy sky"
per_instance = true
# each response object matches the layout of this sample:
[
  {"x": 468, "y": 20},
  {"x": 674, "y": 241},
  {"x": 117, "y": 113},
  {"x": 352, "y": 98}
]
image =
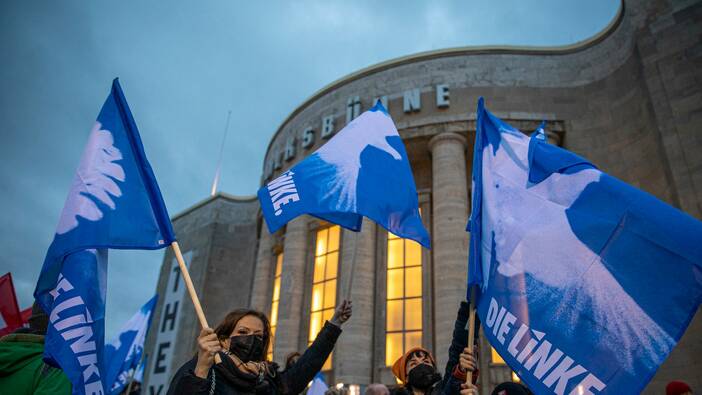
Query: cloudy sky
[{"x": 183, "y": 65}]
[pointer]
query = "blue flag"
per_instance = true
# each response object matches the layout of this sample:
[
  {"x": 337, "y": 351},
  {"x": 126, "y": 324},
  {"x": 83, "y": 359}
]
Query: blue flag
[
  {"x": 114, "y": 202},
  {"x": 586, "y": 282},
  {"x": 123, "y": 354},
  {"x": 362, "y": 171},
  {"x": 318, "y": 385}
]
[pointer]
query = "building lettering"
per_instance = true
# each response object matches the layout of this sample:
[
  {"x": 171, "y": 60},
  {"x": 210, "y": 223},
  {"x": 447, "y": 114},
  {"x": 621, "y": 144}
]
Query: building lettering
[
  {"x": 442, "y": 96},
  {"x": 327, "y": 126},
  {"x": 353, "y": 108},
  {"x": 289, "y": 152},
  {"x": 307, "y": 138},
  {"x": 159, "y": 369},
  {"x": 411, "y": 103}
]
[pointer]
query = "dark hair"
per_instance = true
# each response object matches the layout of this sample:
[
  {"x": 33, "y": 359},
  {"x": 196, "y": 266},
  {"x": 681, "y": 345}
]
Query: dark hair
[
  {"x": 289, "y": 359},
  {"x": 226, "y": 327}
]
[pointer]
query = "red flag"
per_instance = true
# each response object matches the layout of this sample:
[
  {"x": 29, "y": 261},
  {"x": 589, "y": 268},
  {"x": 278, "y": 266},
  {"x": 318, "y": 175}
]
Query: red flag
[{"x": 10, "y": 317}]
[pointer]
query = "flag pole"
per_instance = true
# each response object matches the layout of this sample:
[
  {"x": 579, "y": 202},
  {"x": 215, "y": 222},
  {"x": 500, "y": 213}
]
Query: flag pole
[
  {"x": 131, "y": 381},
  {"x": 215, "y": 182},
  {"x": 191, "y": 290},
  {"x": 353, "y": 265},
  {"x": 471, "y": 329},
  {"x": 133, "y": 373}
]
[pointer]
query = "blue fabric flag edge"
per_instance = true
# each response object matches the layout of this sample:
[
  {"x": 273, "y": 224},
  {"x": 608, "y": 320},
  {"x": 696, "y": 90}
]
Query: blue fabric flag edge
[{"x": 159, "y": 207}]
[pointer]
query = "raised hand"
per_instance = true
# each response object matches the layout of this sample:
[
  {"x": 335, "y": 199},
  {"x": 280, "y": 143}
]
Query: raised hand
[
  {"x": 467, "y": 361},
  {"x": 207, "y": 347},
  {"x": 342, "y": 313},
  {"x": 469, "y": 389}
]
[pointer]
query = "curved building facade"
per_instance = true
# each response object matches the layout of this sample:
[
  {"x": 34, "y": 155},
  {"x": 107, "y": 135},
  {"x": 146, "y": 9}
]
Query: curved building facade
[{"x": 628, "y": 99}]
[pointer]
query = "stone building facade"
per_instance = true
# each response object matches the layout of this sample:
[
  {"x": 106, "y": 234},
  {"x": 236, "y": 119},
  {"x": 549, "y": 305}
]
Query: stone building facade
[{"x": 628, "y": 99}]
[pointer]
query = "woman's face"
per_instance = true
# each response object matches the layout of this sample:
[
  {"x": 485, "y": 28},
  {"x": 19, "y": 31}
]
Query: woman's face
[
  {"x": 417, "y": 357},
  {"x": 247, "y": 325}
]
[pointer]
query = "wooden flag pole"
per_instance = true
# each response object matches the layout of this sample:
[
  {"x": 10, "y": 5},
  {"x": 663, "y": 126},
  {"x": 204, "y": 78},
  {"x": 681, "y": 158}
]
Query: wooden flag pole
[
  {"x": 471, "y": 329},
  {"x": 191, "y": 290},
  {"x": 353, "y": 265},
  {"x": 133, "y": 373}
]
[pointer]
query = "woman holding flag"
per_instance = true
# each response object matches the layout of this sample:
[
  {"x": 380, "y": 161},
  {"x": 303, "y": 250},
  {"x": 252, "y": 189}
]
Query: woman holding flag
[{"x": 242, "y": 340}]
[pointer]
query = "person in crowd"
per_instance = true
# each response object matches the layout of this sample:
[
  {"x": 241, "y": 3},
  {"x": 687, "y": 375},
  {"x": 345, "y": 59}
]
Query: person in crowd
[
  {"x": 416, "y": 370},
  {"x": 678, "y": 388},
  {"x": 510, "y": 388},
  {"x": 241, "y": 340},
  {"x": 377, "y": 389},
  {"x": 291, "y": 359},
  {"x": 22, "y": 370},
  {"x": 336, "y": 391}
]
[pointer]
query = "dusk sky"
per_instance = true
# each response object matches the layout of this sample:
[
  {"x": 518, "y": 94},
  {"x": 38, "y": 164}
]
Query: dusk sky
[{"x": 182, "y": 66}]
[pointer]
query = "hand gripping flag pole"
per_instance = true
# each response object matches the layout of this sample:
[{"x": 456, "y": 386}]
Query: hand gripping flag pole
[
  {"x": 191, "y": 290},
  {"x": 471, "y": 329}
]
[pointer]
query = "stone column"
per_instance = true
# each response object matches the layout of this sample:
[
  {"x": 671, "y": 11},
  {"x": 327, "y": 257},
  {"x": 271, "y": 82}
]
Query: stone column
[
  {"x": 291, "y": 290},
  {"x": 261, "y": 290},
  {"x": 353, "y": 355},
  {"x": 449, "y": 238}
]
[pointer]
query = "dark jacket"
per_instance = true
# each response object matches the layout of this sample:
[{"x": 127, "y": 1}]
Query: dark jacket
[
  {"x": 449, "y": 385},
  {"x": 290, "y": 381}
]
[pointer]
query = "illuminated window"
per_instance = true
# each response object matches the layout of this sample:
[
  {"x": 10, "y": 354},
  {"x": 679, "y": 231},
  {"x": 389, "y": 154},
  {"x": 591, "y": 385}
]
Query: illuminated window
[
  {"x": 516, "y": 378},
  {"x": 496, "y": 358},
  {"x": 326, "y": 263},
  {"x": 274, "y": 303},
  {"x": 403, "y": 327}
]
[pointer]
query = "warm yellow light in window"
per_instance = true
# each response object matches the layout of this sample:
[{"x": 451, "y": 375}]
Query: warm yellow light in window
[
  {"x": 322, "y": 242},
  {"x": 413, "y": 253},
  {"x": 334, "y": 238},
  {"x": 319, "y": 268},
  {"x": 276, "y": 289},
  {"x": 413, "y": 314},
  {"x": 275, "y": 301},
  {"x": 328, "y": 363},
  {"x": 315, "y": 324},
  {"x": 496, "y": 358},
  {"x": 413, "y": 281},
  {"x": 317, "y": 296},
  {"x": 395, "y": 287},
  {"x": 403, "y": 321},
  {"x": 332, "y": 265},
  {"x": 413, "y": 339},
  {"x": 394, "y": 315},
  {"x": 393, "y": 348},
  {"x": 516, "y": 378},
  {"x": 395, "y": 253},
  {"x": 274, "y": 315},
  {"x": 326, "y": 262}
]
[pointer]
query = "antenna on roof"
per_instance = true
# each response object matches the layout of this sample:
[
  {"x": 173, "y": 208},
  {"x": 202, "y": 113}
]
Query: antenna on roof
[{"x": 215, "y": 182}]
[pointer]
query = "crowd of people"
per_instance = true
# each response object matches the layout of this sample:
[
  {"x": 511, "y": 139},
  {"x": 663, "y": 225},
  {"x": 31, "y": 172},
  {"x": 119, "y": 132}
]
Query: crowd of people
[{"x": 231, "y": 360}]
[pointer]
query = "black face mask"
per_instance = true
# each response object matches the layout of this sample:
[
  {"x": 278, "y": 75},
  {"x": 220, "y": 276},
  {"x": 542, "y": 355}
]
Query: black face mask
[
  {"x": 423, "y": 376},
  {"x": 247, "y": 347}
]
